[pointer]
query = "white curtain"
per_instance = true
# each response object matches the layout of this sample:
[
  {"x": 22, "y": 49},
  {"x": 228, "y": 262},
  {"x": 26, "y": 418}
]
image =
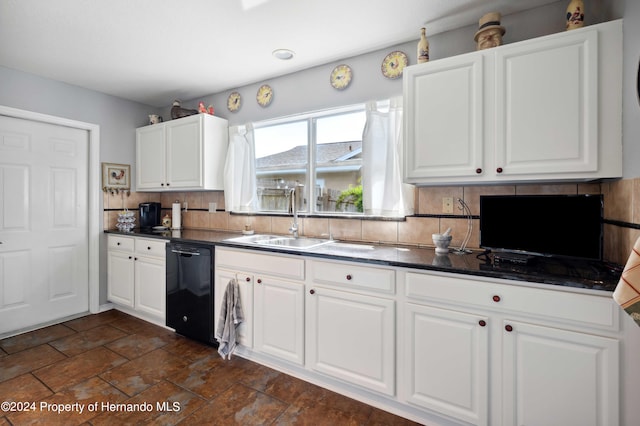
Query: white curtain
[
  {"x": 239, "y": 171},
  {"x": 384, "y": 192}
]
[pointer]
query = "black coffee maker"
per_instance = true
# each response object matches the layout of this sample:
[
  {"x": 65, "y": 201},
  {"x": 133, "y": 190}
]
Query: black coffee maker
[{"x": 150, "y": 215}]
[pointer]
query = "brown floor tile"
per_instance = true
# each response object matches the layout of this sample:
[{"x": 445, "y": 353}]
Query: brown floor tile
[
  {"x": 383, "y": 418},
  {"x": 135, "y": 345},
  {"x": 23, "y": 388},
  {"x": 83, "y": 395},
  {"x": 189, "y": 349},
  {"x": 85, "y": 340},
  {"x": 17, "y": 364},
  {"x": 203, "y": 377},
  {"x": 169, "y": 404},
  {"x": 34, "y": 338},
  {"x": 323, "y": 407},
  {"x": 238, "y": 405},
  {"x": 282, "y": 386},
  {"x": 74, "y": 370},
  {"x": 119, "y": 358},
  {"x": 132, "y": 325},
  {"x": 91, "y": 321},
  {"x": 145, "y": 371}
]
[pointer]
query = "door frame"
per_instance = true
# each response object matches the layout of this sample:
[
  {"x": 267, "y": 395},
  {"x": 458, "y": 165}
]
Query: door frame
[{"x": 93, "y": 196}]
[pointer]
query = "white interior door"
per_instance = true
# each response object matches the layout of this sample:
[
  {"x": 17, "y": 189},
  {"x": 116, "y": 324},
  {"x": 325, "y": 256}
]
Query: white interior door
[{"x": 44, "y": 272}]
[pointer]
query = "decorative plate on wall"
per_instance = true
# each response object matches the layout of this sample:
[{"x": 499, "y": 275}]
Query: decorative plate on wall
[
  {"x": 264, "y": 95},
  {"x": 394, "y": 63},
  {"x": 341, "y": 77},
  {"x": 234, "y": 101}
]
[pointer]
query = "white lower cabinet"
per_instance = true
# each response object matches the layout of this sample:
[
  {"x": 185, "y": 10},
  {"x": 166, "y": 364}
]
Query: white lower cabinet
[
  {"x": 444, "y": 349},
  {"x": 272, "y": 297},
  {"x": 350, "y": 332},
  {"x": 279, "y": 318},
  {"x": 136, "y": 275},
  {"x": 447, "y": 362},
  {"x": 554, "y": 376},
  {"x": 120, "y": 273},
  {"x": 150, "y": 285},
  {"x": 499, "y": 354}
]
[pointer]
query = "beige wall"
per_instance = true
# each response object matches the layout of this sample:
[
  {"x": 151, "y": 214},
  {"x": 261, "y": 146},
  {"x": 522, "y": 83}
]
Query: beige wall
[{"x": 621, "y": 201}]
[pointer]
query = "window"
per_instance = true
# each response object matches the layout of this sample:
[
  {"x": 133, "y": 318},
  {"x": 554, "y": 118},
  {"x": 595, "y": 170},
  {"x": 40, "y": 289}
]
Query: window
[{"x": 319, "y": 153}]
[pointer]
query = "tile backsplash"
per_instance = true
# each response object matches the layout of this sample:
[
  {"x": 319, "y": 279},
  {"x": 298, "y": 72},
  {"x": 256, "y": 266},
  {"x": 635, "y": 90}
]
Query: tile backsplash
[{"x": 621, "y": 209}]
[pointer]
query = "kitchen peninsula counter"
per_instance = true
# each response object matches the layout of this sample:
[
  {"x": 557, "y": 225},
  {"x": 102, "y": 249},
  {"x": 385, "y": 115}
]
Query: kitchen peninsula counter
[{"x": 572, "y": 275}]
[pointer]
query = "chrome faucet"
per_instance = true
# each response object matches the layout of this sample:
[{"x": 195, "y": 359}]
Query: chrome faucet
[{"x": 294, "y": 209}]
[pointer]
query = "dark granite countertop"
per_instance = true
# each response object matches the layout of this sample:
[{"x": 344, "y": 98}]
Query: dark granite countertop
[{"x": 572, "y": 274}]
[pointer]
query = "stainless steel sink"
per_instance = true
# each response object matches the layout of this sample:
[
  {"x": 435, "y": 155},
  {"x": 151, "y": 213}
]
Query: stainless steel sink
[
  {"x": 251, "y": 239},
  {"x": 294, "y": 243},
  {"x": 280, "y": 241}
]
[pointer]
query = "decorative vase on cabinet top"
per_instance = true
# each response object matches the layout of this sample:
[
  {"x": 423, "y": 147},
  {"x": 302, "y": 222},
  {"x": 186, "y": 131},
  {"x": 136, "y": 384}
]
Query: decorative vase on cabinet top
[
  {"x": 423, "y": 47},
  {"x": 575, "y": 14}
]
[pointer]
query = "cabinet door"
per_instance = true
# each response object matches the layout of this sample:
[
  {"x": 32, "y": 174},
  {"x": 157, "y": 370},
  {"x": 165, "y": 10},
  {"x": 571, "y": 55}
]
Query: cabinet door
[
  {"x": 150, "y": 157},
  {"x": 351, "y": 337},
  {"x": 447, "y": 362},
  {"x": 184, "y": 153},
  {"x": 150, "y": 286},
  {"x": 120, "y": 278},
  {"x": 444, "y": 118},
  {"x": 245, "y": 281},
  {"x": 547, "y": 106},
  {"x": 279, "y": 318},
  {"x": 558, "y": 377}
]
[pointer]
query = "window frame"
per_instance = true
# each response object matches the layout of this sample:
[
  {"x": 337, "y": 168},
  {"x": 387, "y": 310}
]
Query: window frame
[{"x": 310, "y": 168}]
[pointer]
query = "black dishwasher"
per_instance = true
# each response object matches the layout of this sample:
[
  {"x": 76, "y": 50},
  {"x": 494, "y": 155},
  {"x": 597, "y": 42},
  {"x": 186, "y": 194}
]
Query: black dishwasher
[{"x": 190, "y": 291}]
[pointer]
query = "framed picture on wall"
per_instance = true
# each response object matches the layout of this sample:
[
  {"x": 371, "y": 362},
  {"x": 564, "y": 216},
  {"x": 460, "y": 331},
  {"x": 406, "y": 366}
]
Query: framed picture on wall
[{"x": 116, "y": 177}]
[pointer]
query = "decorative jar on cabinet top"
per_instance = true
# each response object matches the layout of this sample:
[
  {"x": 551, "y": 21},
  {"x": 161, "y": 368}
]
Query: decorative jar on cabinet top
[
  {"x": 575, "y": 14},
  {"x": 423, "y": 47}
]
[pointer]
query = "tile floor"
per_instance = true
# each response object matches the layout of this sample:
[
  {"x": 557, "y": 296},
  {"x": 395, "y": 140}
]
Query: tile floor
[{"x": 122, "y": 370}]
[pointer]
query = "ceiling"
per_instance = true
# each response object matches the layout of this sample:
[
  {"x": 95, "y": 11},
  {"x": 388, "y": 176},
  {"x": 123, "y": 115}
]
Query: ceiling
[{"x": 155, "y": 51}]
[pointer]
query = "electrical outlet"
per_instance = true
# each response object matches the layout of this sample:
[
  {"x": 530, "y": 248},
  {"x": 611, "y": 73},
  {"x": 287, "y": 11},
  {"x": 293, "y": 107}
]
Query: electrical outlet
[{"x": 447, "y": 205}]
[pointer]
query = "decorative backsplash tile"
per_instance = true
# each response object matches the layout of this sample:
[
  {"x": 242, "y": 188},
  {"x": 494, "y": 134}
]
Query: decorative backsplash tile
[{"x": 621, "y": 204}]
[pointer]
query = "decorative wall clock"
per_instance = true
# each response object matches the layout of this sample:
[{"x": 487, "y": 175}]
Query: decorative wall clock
[
  {"x": 234, "y": 101},
  {"x": 264, "y": 95},
  {"x": 394, "y": 63},
  {"x": 341, "y": 77}
]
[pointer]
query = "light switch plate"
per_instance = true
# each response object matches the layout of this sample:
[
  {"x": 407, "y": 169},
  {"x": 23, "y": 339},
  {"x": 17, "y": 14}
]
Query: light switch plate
[{"x": 447, "y": 205}]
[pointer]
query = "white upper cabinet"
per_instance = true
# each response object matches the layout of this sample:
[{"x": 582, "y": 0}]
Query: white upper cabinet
[
  {"x": 544, "y": 109},
  {"x": 187, "y": 153},
  {"x": 445, "y": 104}
]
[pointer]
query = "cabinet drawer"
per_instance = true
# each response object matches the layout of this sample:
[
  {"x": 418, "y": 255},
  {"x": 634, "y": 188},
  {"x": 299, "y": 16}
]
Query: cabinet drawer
[
  {"x": 116, "y": 242},
  {"x": 535, "y": 302},
  {"x": 151, "y": 247},
  {"x": 355, "y": 276},
  {"x": 274, "y": 265}
]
